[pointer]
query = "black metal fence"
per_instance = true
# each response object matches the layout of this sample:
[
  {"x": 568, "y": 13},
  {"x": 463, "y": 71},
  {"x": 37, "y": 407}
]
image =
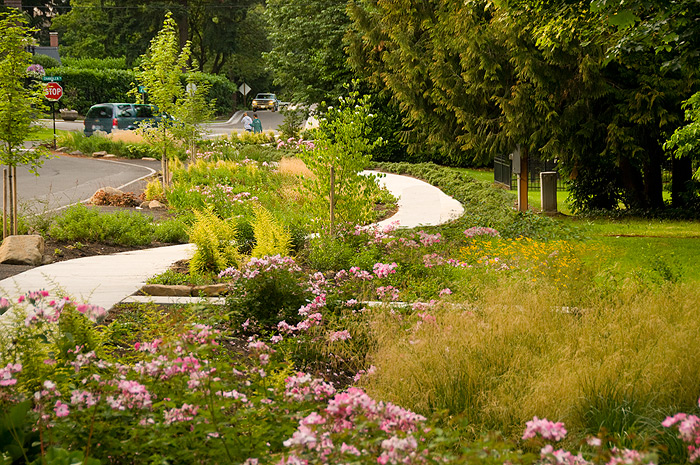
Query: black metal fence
[{"x": 503, "y": 172}]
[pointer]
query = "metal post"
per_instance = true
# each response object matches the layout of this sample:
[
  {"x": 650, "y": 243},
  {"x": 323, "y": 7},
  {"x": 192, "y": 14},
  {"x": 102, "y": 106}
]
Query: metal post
[
  {"x": 332, "y": 197},
  {"x": 13, "y": 170},
  {"x": 522, "y": 181},
  {"x": 4, "y": 203},
  {"x": 548, "y": 191},
  {"x": 53, "y": 115}
]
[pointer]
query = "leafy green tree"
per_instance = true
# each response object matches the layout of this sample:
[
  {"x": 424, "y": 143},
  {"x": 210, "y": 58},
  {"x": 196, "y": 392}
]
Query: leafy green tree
[
  {"x": 85, "y": 31},
  {"x": 110, "y": 28},
  {"x": 307, "y": 55},
  {"x": 160, "y": 72},
  {"x": 343, "y": 148},
  {"x": 21, "y": 100}
]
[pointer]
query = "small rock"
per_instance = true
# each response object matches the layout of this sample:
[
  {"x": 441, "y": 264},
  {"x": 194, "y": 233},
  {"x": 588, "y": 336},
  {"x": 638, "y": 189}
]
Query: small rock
[
  {"x": 154, "y": 204},
  {"x": 110, "y": 155},
  {"x": 62, "y": 149},
  {"x": 211, "y": 290},
  {"x": 99, "y": 154},
  {"x": 144, "y": 204},
  {"x": 111, "y": 191},
  {"x": 148, "y": 158},
  {"x": 22, "y": 250},
  {"x": 76, "y": 152},
  {"x": 167, "y": 290}
]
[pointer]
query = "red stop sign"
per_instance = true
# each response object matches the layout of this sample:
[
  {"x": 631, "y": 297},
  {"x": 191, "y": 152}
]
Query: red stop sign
[{"x": 53, "y": 91}]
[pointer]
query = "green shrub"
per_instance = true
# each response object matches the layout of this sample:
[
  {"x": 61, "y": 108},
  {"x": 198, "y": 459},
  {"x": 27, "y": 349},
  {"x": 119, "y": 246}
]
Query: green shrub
[
  {"x": 293, "y": 122},
  {"x": 267, "y": 291},
  {"x": 173, "y": 278},
  {"x": 83, "y": 224},
  {"x": 45, "y": 61},
  {"x": 98, "y": 143},
  {"x": 95, "y": 63},
  {"x": 173, "y": 230}
]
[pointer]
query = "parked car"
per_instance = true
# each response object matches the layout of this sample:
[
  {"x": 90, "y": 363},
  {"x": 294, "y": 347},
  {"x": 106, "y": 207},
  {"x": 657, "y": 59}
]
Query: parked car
[
  {"x": 109, "y": 116},
  {"x": 266, "y": 101}
]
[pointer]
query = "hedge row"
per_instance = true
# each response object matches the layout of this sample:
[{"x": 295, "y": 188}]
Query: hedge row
[{"x": 83, "y": 88}]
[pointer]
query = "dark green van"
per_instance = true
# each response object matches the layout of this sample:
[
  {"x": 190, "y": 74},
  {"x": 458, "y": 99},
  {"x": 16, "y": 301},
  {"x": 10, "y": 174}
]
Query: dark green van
[{"x": 107, "y": 117}]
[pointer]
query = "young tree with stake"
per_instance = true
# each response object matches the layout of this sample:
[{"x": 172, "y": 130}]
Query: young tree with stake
[{"x": 21, "y": 101}]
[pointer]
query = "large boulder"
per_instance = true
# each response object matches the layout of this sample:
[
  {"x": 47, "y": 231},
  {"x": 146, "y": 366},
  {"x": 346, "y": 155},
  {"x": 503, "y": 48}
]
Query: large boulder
[{"x": 22, "y": 250}]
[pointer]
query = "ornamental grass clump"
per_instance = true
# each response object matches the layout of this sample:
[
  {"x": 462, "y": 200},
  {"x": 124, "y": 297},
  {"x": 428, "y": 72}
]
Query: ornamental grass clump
[{"x": 529, "y": 349}]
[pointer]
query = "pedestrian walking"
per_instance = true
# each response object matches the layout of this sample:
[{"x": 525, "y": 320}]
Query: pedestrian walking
[
  {"x": 257, "y": 124},
  {"x": 247, "y": 123}
]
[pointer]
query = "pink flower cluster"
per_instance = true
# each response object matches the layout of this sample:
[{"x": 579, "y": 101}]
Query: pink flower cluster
[
  {"x": 178, "y": 415},
  {"x": 688, "y": 430},
  {"x": 432, "y": 260},
  {"x": 295, "y": 144},
  {"x": 94, "y": 313},
  {"x": 256, "y": 265},
  {"x": 82, "y": 399},
  {"x": 389, "y": 292},
  {"x": 201, "y": 334},
  {"x": 343, "y": 335},
  {"x": 6, "y": 374},
  {"x": 131, "y": 394},
  {"x": 481, "y": 231},
  {"x": 348, "y": 413},
  {"x": 302, "y": 387},
  {"x": 382, "y": 270},
  {"x": 545, "y": 428},
  {"x": 4, "y": 305},
  {"x": 221, "y": 190},
  {"x": 429, "y": 239}
]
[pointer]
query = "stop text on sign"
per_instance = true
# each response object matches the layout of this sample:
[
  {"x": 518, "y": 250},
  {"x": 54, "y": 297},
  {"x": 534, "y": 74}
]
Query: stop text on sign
[{"x": 53, "y": 91}]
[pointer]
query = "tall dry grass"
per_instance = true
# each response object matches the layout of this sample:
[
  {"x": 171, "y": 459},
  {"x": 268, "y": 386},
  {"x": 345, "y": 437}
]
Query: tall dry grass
[
  {"x": 294, "y": 167},
  {"x": 128, "y": 137},
  {"x": 518, "y": 353}
]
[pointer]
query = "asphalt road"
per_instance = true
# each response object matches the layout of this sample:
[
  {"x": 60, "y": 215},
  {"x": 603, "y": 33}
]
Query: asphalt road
[
  {"x": 65, "y": 180},
  {"x": 270, "y": 122}
]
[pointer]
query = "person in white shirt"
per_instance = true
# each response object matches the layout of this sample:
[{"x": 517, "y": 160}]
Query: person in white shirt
[{"x": 247, "y": 122}]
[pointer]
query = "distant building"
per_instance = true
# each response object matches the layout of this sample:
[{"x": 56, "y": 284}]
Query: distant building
[{"x": 52, "y": 49}]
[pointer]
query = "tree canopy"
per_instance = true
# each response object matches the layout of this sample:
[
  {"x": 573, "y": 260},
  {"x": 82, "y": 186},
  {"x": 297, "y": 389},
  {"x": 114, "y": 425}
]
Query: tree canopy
[
  {"x": 306, "y": 55},
  {"x": 564, "y": 80}
]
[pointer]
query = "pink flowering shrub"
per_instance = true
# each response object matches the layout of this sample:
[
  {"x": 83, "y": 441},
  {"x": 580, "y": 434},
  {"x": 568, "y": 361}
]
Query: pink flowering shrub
[
  {"x": 353, "y": 425},
  {"x": 267, "y": 291},
  {"x": 477, "y": 231},
  {"x": 688, "y": 427}
]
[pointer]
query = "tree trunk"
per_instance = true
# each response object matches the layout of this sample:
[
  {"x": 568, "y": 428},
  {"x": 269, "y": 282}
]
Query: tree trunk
[
  {"x": 633, "y": 183},
  {"x": 653, "y": 183},
  {"x": 184, "y": 25},
  {"x": 681, "y": 187}
]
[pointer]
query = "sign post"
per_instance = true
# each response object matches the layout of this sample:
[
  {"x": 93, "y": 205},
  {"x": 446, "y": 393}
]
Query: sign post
[
  {"x": 244, "y": 89},
  {"x": 53, "y": 92}
]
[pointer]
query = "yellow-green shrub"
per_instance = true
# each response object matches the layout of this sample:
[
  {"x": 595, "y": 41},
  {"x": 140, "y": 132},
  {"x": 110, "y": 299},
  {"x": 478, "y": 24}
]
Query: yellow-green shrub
[
  {"x": 216, "y": 244},
  {"x": 271, "y": 238}
]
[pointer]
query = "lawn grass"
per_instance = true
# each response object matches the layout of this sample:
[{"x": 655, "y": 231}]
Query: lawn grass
[{"x": 45, "y": 135}]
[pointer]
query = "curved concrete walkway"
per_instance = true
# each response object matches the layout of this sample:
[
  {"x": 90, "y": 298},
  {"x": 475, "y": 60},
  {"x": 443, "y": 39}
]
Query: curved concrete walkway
[{"x": 106, "y": 280}]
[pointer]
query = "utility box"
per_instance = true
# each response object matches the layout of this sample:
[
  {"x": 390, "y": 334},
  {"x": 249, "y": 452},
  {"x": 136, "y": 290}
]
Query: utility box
[
  {"x": 548, "y": 191},
  {"x": 515, "y": 158}
]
